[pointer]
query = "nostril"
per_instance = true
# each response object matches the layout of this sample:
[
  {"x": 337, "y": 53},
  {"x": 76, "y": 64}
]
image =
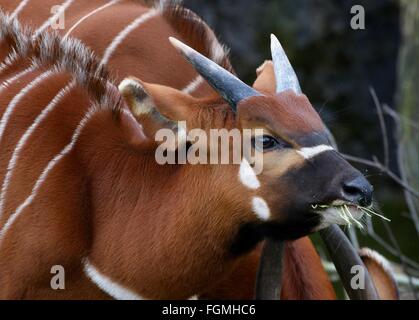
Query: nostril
[
  {"x": 359, "y": 191},
  {"x": 351, "y": 190}
]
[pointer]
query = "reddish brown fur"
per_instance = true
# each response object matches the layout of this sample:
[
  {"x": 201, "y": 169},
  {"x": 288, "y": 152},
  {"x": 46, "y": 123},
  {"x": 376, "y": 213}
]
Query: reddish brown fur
[{"x": 85, "y": 209}]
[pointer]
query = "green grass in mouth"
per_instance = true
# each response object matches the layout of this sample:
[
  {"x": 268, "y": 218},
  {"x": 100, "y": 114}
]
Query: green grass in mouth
[{"x": 346, "y": 215}]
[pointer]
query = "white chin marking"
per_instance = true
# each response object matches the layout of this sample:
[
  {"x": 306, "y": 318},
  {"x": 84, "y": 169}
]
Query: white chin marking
[
  {"x": 260, "y": 208},
  {"x": 308, "y": 153},
  {"x": 248, "y": 176}
]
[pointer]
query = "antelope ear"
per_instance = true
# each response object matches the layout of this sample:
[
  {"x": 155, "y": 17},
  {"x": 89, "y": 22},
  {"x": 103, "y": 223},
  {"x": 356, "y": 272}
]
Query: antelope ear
[
  {"x": 156, "y": 107},
  {"x": 265, "y": 81},
  {"x": 381, "y": 274},
  {"x": 162, "y": 103}
]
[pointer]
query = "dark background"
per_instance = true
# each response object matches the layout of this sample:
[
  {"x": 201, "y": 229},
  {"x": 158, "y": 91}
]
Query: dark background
[{"x": 336, "y": 66}]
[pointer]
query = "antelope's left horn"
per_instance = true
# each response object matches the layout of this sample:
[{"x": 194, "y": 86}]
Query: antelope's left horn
[
  {"x": 232, "y": 89},
  {"x": 285, "y": 76}
]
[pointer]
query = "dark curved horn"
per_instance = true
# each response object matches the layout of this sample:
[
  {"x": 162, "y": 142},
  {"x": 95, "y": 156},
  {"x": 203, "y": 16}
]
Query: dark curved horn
[
  {"x": 232, "y": 89},
  {"x": 344, "y": 256},
  {"x": 284, "y": 73},
  {"x": 269, "y": 276}
]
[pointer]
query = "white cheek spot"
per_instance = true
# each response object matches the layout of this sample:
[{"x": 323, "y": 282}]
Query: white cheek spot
[
  {"x": 248, "y": 176},
  {"x": 260, "y": 208},
  {"x": 308, "y": 153}
]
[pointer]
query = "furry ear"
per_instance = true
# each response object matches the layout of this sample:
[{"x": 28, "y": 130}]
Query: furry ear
[
  {"x": 136, "y": 97},
  {"x": 158, "y": 101},
  {"x": 155, "y": 107},
  {"x": 381, "y": 273},
  {"x": 265, "y": 81}
]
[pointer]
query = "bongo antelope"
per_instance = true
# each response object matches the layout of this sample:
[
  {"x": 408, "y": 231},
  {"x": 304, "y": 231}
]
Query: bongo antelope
[{"x": 80, "y": 186}]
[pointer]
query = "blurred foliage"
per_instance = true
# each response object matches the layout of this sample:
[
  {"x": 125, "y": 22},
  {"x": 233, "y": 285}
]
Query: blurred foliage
[
  {"x": 336, "y": 66},
  {"x": 408, "y": 95}
]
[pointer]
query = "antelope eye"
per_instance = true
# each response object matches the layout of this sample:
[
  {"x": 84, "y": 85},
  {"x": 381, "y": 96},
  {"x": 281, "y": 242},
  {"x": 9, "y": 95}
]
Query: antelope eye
[{"x": 266, "y": 143}]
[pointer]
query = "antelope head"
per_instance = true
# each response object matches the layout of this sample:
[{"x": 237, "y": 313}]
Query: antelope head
[{"x": 303, "y": 180}]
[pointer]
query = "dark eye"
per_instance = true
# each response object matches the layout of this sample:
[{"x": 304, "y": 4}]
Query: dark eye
[{"x": 266, "y": 143}]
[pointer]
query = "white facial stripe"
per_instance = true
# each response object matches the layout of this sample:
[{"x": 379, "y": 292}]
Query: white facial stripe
[
  {"x": 308, "y": 153},
  {"x": 260, "y": 208},
  {"x": 107, "y": 285},
  {"x": 248, "y": 176}
]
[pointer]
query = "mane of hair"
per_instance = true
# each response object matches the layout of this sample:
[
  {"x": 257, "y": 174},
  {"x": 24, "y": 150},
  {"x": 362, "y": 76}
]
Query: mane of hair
[
  {"x": 50, "y": 50},
  {"x": 194, "y": 30},
  {"x": 197, "y": 33},
  {"x": 160, "y": 4}
]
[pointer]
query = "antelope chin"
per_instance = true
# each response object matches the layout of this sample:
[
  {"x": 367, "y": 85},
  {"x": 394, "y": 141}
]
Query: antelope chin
[{"x": 338, "y": 212}]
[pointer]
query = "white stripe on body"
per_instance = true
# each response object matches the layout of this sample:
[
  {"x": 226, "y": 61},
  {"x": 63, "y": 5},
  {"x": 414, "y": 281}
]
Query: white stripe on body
[
  {"x": 125, "y": 32},
  {"x": 51, "y": 165},
  {"x": 9, "y": 61},
  {"x": 67, "y": 149},
  {"x": 19, "y": 8},
  {"x": 111, "y": 3},
  {"x": 15, "y": 101},
  {"x": 15, "y": 77},
  {"x": 94, "y": 275},
  {"x": 22, "y": 142},
  {"x": 193, "y": 85},
  {"x": 108, "y": 285}
]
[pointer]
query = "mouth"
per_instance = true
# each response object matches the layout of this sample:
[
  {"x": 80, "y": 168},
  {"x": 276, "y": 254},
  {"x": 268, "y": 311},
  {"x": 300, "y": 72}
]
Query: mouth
[{"x": 343, "y": 213}]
